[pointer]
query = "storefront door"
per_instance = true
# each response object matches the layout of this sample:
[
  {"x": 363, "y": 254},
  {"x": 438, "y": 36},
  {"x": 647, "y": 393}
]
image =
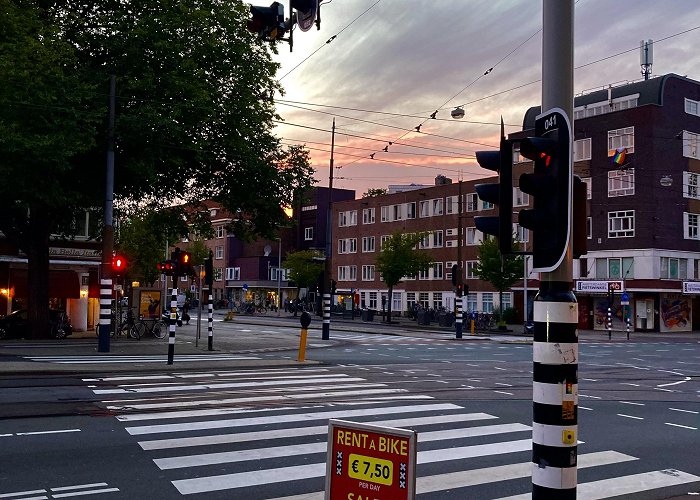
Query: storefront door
[{"x": 645, "y": 314}]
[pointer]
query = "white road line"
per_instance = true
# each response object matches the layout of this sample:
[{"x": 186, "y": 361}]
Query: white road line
[
  {"x": 684, "y": 411},
  {"x": 161, "y": 444},
  {"x": 585, "y": 408},
  {"x": 79, "y": 486},
  {"x": 686, "y": 379},
  {"x": 278, "y": 419},
  {"x": 35, "y": 433},
  {"x": 626, "y": 485},
  {"x": 629, "y": 416},
  {"x": 631, "y": 403},
  {"x": 22, "y": 493},
  {"x": 682, "y": 426},
  {"x": 504, "y": 392}
]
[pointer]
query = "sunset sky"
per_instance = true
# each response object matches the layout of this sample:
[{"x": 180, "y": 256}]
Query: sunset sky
[{"x": 394, "y": 62}]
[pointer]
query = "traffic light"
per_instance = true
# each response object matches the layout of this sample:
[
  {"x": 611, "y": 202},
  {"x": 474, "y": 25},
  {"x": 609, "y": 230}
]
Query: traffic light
[
  {"x": 268, "y": 22},
  {"x": 209, "y": 270},
  {"x": 501, "y": 194},
  {"x": 550, "y": 185},
  {"x": 175, "y": 261},
  {"x": 455, "y": 275},
  {"x": 118, "y": 266},
  {"x": 460, "y": 289},
  {"x": 166, "y": 267},
  {"x": 184, "y": 265},
  {"x": 333, "y": 286}
]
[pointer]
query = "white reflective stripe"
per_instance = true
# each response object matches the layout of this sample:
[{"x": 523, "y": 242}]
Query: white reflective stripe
[
  {"x": 553, "y": 477},
  {"x": 107, "y": 282},
  {"x": 555, "y": 353},
  {"x": 553, "y": 435},
  {"x": 171, "y": 340},
  {"x": 551, "y": 394},
  {"x": 556, "y": 312}
]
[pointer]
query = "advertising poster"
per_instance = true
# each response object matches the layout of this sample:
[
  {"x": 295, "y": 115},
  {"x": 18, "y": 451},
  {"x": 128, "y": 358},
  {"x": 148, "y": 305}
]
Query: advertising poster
[
  {"x": 675, "y": 313},
  {"x": 149, "y": 303}
]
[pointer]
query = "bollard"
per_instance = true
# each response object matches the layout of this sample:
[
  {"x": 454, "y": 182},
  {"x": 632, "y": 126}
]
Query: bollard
[
  {"x": 305, "y": 321},
  {"x": 609, "y": 323},
  {"x": 628, "y": 327},
  {"x": 472, "y": 326},
  {"x": 171, "y": 325}
]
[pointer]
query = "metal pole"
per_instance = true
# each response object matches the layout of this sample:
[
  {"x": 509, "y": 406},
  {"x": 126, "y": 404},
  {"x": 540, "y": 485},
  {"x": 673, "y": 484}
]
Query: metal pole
[
  {"x": 171, "y": 326},
  {"x": 458, "y": 295},
  {"x": 199, "y": 307},
  {"x": 279, "y": 276},
  {"x": 555, "y": 342},
  {"x": 108, "y": 229},
  {"x": 326, "y": 327}
]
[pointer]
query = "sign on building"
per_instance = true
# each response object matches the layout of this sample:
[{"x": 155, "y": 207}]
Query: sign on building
[
  {"x": 691, "y": 287},
  {"x": 366, "y": 461},
  {"x": 592, "y": 286}
]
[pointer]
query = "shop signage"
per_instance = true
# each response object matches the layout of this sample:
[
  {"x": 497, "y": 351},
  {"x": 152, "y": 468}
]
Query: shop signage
[
  {"x": 691, "y": 287},
  {"x": 74, "y": 252},
  {"x": 369, "y": 462},
  {"x": 591, "y": 286}
]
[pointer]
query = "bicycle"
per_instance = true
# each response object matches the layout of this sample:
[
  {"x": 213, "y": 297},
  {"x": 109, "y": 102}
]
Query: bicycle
[
  {"x": 131, "y": 327},
  {"x": 157, "y": 328}
]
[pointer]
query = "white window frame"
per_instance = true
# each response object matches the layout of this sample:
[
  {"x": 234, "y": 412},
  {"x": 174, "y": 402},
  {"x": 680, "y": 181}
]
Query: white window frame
[
  {"x": 620, "y": 183},
  {"x": 469, "y": 269},
  {"x": 218, "y": 274},
  {"x": 582, "y": 149},
  {"x": 220, "y": 232},
  {"x": 621, "y": 224},
  {"x": 424, "y": 208},
  {"x": 411, "y": 210},
  {"x": 451, "y": 204},
  {"x": 437, "y": 206},
  {"x": 620, "y": 138},
  {"x": 384, "y": 238},
  {"x": 397, "y": 212},
  {"x": 368, "y": 244},
  {"x": 692, "y": 107},
  {"x": 473, "y": 236},
  {"x": 308, "y": 233},
  {"x": 385, "y": 215},
  {"x": 691, "y": 226},
  {"x": 437, "y": 239},
  {"x": 520, "y": 199},
  {"x": 368, "y": 215},
  {"x": 219, "y": 252},
  {"x": 691, "y": 145},
  {"x": 233, "y": 274},
  {"x": 589, "y": 187},
  {"x": 472, "y": 204},
  {"x": 666, "y": 265},
  {"x": 691, "y": 185},
  {"x": 438, "y": 271},
  {"x": 487, "y": 302},
  {"x": 368, "y": 273}
]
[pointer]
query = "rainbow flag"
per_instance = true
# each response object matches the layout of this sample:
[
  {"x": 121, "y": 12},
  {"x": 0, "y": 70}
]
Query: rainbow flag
[{"x": 619, "y": 156}]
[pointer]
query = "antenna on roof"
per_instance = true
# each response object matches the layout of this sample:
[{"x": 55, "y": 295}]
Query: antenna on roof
[{"x": 646, "y": 57}]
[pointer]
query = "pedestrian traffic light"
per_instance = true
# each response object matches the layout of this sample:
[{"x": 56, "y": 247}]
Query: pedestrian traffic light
[
  {"x": 268, "y": 22},
  {"x": 166, "y": 267},
  {"x": 501, "y": 194},
  {"x": 460, "y": 289},
  {"x": 550, "y": 185},
  {"x": 118, "y": 266},
  {"x": 209, "y": 270},
  {"x": 333, "y": 286},
  {"x": 184, "y": 265}
]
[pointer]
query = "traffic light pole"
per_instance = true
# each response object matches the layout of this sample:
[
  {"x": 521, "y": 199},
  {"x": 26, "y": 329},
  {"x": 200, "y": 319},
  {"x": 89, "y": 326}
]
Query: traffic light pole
[
  {"x": 327, "y": 294},
  {"x": 555, "y": 343},
  {"x": 458, "y": 294}
]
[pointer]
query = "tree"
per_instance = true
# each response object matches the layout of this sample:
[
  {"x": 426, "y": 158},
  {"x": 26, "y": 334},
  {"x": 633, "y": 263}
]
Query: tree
[
  {"x": 399, "y": 258},
  {"x": 304, "y": 266},
  {"x": 193, "y": 118},
  {"x": 502, "y": 271},
  {"x": 372, "y": 192}
]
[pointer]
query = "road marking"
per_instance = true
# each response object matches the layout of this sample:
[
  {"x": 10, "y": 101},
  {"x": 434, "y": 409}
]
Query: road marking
[
  {"x": 35, "y": 433},
  {"x": 504, "y": 392},
  {"x": 585, "y": 408},
  {"x": 684, "y": 411},
  {"x": 686, "y": 379},
  {"x": 682, "y": 426},
  {"x": 629, "y": 383},
  {"x": 21, "y": 493},
  {"x": 631, "y": 403},
  {"x": 629, "y": 416}
]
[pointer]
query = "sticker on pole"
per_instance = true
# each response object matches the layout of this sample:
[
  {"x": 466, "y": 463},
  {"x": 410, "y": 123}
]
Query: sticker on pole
[{"x": 368, "y": 462}]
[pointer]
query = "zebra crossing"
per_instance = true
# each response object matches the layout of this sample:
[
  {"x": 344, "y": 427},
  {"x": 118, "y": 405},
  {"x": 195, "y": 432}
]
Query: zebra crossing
[{"x": 255, "y": 433}]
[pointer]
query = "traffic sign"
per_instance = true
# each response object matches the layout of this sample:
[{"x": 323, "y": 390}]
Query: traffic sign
[
  {"x": 624, "y": 299},
  {"x": 367, "y": 461}
]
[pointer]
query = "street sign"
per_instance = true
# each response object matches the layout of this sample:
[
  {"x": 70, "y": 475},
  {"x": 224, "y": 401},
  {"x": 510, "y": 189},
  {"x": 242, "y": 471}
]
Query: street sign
[
  {"x": 366, "y": 461},
  {"x": 594, "y": 286},
  {"x": 624, "y": 299},
  {"x": 306, "y": 13},
  {"x": 245, "y": 286},
  {"x": 691, "y": 287}
]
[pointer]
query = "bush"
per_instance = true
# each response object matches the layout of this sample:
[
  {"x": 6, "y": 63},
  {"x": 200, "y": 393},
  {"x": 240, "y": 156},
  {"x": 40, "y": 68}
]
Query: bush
[{"x": 510, "y": 315}]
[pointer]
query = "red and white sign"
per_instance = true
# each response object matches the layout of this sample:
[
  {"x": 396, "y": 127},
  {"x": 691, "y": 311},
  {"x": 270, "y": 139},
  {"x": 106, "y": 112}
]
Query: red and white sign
[{"x": 369, "y": 462}]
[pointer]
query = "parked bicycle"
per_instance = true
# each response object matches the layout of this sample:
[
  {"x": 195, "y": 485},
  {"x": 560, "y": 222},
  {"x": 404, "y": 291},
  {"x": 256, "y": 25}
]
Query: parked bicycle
[{"x": 154, "y": 326}]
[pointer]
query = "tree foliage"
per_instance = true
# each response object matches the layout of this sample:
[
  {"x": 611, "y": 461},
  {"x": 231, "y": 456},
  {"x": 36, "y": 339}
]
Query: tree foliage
[
  {"x": 303, "y": 269},
  {"x": 502, "y": 271},
  {"x": 194, "y": 117},
  {"x": 399, "y": 258},
  {"x": 372, "y": 192}
]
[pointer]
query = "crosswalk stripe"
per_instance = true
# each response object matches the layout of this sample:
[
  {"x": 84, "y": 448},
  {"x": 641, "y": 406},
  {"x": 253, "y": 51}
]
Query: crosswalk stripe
[
  {"x": 128, "y": 359},
  {"x": 161, "y": 444},
  {"x": 279, "y": 419},
  {"x": 310, "y": 448},
  {"x": 475, "y": 477},
  {"x": 625, "y": 485},
  {"x": 253, "y": 478},
  {"x": 177, "y": 379},
  {"x": 286, "y": 397}
]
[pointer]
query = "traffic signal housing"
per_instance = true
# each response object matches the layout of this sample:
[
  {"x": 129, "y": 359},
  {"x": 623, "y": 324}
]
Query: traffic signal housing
[
  {"x": 166, "y": 267},
  {"x": 550, "y": 185},
  {"x": 118, "y": 266},
  {"x": 268, "y": 22},
  {"x": 209, "y": 270},
  {"x": 185, "y": 264},
  {"x": 501, "y": 194}
]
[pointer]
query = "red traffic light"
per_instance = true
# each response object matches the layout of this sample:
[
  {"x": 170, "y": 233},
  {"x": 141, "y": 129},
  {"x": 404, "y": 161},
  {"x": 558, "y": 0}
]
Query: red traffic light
[{"x": 118, "y": 263}]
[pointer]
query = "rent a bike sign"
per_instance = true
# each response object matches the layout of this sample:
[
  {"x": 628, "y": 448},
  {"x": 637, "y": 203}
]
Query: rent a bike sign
[{"x": 369, "y": 462}]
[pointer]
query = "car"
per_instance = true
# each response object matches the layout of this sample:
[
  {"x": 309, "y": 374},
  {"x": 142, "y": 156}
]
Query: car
[{"x": 16, "y": 324}]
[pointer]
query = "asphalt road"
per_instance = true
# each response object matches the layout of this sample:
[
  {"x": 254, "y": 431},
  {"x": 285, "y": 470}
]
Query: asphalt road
[{"x": 229, "y": 430}]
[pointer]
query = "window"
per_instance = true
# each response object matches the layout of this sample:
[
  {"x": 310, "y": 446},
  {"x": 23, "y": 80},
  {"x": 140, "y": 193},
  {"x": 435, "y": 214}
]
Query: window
[
  {"x": 691, "y": 181},
  {"x": 219, "y": 252},
  {"x": 691, "y": 222},
  {"x": 352, "y": 216},
  {"x": 368, "y": 215},
  {"x": 308, "y": 208},
  {"x": 690, "y": 144},
  {"x": 522, "y": 235},
  {"x": 424, "y": 242},
  {"x": 220, "y": 231},
  {"x": 347, "y": 273},
  {"x": 437, "y": 206},
  {"x": 607, "y": 106},
  {"x": 384, "y": 239},
  {"x": 385, "y": 214},
  {"x": 507, "y": 301},
  {"x": 621, "y": 138},
  {"x": 342, "y": 219},
  {"x": 614, "y": 268},
  {"x": 397, "y": 212},
  {"x": 448, "y": 270},
  {"x": 424, "y": 207},
  {"x": 368, "y": 244},
  {"x": 233, "y": 273},
  {"x": 471, "y": 268},
  {"x": 620, "y": 182},
  {"x": 589, "y": 227},
  {"x": 437, "y": 300},
  {"x": 437, "y": 239},
  {"x": 347, "y": 245},
  {"x": 218, "y": 273},
  {"x": 424, "y": 274},
  {"x": 410, "y": 300},
  {"x": 485, "y": 205},
  {"x": 396, "y": 304},
  {"x": 473, "y": 236},
  {"x": 471, "y": 302},
  {"x": 411, "y": 210},
  {"x": 438, "y": 271},
  {"x": 582, "y": 149},
  {"x": 276, "y": 272},
  {"x": 674, "y": 269},
  {"x": 347, "y": 218},
  {"x": 372, "y": 300},
  {"x": 691, "y": 107},
  {"x": 487, "y": 302},
  {"x": 451, "y": 204},
  {"x": 621, "y": 224},
  {"x": 589, "y": 186},
  {"x": 423, "y": 299},
  {"x": 308, "y": 233},
  {"x": 367, "y": 273},
  {"x": 520, "y": 199},
  {"x": 472, "y": 202}
]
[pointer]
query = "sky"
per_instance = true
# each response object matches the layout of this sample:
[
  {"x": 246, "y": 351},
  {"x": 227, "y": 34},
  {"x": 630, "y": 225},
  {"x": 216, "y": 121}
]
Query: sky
[{"x": 393, "y": 63}]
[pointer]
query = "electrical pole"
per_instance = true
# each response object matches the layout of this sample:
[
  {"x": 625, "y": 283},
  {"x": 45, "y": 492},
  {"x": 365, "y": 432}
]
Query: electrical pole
[
  {"x": 326, "y": 328},
  {"x": 555, "y": 342}
]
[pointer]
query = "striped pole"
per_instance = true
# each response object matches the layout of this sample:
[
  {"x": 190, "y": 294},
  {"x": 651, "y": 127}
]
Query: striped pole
[
  {"x": 171, "y": 326},
  {"x": 458, "y": 318},
  {"x": 555, "y": 393},
  {"x": 105, "y": 315},
  {"x": 326, "y": 328},
  {"x": 609, "y": 322},
  {"x": 628, "y": 326},
  {"x": 210, "y": 324}
]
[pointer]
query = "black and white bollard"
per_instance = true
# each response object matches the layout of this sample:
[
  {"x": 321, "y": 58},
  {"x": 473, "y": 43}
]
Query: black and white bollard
[
  {"x": 210, "y": 325},
  {"x": 326, "y": 328},
  {"x": 555, "y": 393},
  {"x": 609, "y": 322},
  {"x": 105, "y": 315},
  {"x": 171, "y": 326},
  {"x": 458, "y": 317}
]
